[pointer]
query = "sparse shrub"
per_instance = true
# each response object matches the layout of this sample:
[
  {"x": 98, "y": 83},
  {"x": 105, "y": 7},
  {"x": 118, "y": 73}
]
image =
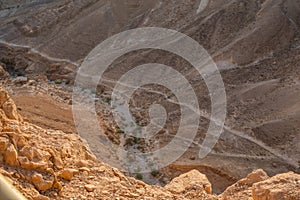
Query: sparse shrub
[
  {"x": 107, "y": 100},
  {"x": 155, "y": 173},
  {"x": 118, "y": 130},
  {"x": 128, "y": 142},
  {"x": 139, "y": 176},
  {"x": 118, "y": 136},
  {"x": 58, "y": 81}
]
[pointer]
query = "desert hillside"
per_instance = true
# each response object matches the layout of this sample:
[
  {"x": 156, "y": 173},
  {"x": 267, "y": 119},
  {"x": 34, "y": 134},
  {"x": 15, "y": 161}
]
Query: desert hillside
[
  {"x": 255, "y": 45},
  {"x": 47, "y": 164}
]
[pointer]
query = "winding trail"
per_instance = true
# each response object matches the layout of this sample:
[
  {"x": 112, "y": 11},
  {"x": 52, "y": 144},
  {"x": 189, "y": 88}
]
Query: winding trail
[{"x": 43, "y": 55}]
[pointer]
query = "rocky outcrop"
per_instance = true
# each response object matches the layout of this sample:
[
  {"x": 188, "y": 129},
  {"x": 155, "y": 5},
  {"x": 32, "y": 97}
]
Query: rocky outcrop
[
  {"x": 283, "y": 186},
  {"x": 242, "y": 189},
  {"x": 258, "y": 186}
]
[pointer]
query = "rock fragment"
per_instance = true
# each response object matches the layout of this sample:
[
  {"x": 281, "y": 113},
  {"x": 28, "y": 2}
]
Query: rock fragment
[
  {"x": 90, "y": 187},
  {"x": 40, "y": 183},
  {"x": 68, "y": 174},
  {"x": 192, "y": 178},
  {"x": 10, "y": 156}
]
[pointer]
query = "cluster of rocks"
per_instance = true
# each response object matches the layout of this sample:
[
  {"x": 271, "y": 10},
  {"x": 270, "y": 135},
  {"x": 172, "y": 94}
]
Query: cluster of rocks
[
  {"x": 259, "y": 186},
  {"x": 39, "y": 157},
  {"x": 48, "y": 164}
]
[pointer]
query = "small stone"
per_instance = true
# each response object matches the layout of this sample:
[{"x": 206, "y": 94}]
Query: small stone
[
  {"x": 101, "y": 169},
  {"x": 16, "y": 175},
  {"x": 58, "y": 162},
  {"x": 4, "y": 141},
  {"x": 68, "y": 174},
  {"x": 85, "y": 169},
  {"x": 90, "y": 187},
  {"x": 31, "y": 82},
  {"x": 41, "y": 197},
  {"x": 57, "y": 185},
  {"x": 37, "y": 178},
  {"x": 50, "y": 170},
  {"x": 40, "y": 183},
  {"x": 83, "y": 163},
  {"x": 192, "y": 158},
  {"x": 85, "y": 173},
  {"x": 20, "y": 80}
]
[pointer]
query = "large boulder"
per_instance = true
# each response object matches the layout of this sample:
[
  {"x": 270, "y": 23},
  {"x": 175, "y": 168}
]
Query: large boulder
[
  {"x": 189, "y": 180},
  {"x": 8, "y": 109},
  {"x": 242, "y": 189},
  {"x": 283, "y": 186},
  {"x": 40, "y": 183},
  {"x": 10, "y": 156},
  {"x": 3, "y": 96}
]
